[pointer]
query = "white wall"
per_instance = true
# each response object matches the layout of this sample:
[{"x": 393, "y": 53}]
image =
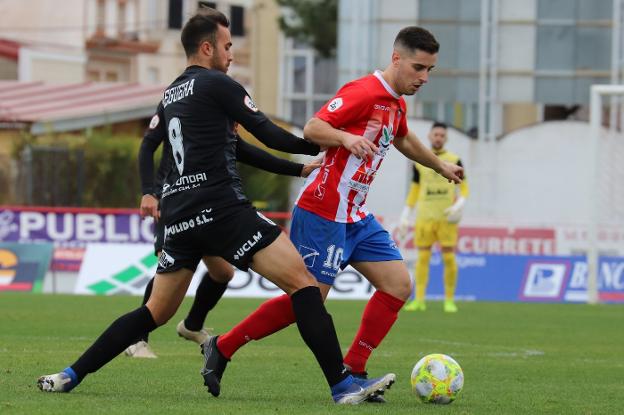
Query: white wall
[
  {"x": 537, "y": 175},
  {"x": 44, "y": 22}
]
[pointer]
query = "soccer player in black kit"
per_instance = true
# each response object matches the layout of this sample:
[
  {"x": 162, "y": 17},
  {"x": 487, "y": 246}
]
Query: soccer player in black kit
[
  {"x": 214, "y": 281},
  {"x": 206, "y": 213}
]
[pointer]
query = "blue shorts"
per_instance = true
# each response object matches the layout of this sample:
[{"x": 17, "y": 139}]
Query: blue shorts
[{"x": 327, "y": 246}]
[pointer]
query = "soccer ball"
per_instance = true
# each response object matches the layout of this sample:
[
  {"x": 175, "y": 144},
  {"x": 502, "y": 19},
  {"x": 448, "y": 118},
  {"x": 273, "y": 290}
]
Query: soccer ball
[{"x": 437, "y": 378}]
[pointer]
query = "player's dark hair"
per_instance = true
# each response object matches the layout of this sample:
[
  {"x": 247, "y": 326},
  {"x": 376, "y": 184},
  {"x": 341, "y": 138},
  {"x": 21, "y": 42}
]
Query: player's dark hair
[
  {"x": 202, "y": 27},
  {"x": 415, "y": 38},
  {"x": 439, "y": 124}
]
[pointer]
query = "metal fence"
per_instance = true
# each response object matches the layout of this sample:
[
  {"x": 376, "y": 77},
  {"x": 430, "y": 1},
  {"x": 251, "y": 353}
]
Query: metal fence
[{"x": 49, "y": 176}]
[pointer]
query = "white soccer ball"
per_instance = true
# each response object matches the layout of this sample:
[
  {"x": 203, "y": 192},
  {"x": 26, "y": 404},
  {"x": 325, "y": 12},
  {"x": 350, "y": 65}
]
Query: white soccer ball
[{"x": 437, "y": 378}]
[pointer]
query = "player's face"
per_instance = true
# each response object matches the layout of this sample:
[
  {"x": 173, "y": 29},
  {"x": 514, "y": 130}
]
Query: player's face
[
  {"x": 437, "y": 137},
  {"x": 222, "y": 52},
  {"x": 413, "y": 70}
]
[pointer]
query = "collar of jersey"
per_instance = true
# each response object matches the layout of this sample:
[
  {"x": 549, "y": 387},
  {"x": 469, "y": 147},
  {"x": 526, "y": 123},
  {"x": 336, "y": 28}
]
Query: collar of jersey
[{"x": 385, "y": 84}]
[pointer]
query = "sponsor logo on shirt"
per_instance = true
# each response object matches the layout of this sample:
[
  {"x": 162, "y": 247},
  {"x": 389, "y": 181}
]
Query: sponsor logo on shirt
[
  {"x": 385, "y": 140},
  {"x": 154, "y": 121},
  {"x": 334, "y": 105},
  {"x": 250, "y": 104},
  {"x": 180, "y": 227},
  {"x": 381, "y": 107},
  {"x": 183, "y": 183}
]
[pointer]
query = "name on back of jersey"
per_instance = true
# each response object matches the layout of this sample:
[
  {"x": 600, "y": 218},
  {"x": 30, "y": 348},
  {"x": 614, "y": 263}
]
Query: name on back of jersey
[{"x": 178, "y": 92}]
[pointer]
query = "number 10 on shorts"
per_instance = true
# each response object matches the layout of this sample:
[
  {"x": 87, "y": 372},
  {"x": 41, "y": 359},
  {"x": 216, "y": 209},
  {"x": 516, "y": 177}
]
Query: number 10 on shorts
[{"x": 334, "y": 258}]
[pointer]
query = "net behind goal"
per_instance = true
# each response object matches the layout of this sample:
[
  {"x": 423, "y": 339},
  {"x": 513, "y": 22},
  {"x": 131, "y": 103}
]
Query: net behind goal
[{"x": 606, "y": 218}]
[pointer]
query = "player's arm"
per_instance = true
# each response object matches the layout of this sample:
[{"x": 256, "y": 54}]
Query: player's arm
[
  {"x": 256, "y": 157},
  {"x": 455, "y": 211},
  {"x": 151, "y": 140},
  {"x": 350, "y": 104},
  {"x": 324, "y": 134},
  {"x": 237, "y": 104},
  {"x": 414, "y": 150}
]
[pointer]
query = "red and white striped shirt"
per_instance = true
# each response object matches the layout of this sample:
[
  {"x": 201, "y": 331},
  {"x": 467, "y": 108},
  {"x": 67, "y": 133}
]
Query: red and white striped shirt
[{"x": 367, "y": 107}]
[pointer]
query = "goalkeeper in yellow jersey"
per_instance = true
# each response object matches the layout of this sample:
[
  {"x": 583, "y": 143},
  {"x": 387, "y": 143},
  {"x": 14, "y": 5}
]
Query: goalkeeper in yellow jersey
[{"x": 440, "y": 206}]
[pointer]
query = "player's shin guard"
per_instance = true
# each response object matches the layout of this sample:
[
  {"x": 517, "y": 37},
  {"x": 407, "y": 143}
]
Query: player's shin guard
[
  {"x": 379, "y": 315},
  {"x": 422, "y": 273},
  {"x": 272, "y": 315},
  {"x": 450, "y": 274},
  {"x": 208, "y": 294},
  {"x": 318, "y": 332},
  {"x": 114, "y": 340}
]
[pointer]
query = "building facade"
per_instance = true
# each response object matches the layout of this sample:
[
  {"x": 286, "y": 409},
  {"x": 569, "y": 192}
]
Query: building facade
[{"x": 503, "y": 64}]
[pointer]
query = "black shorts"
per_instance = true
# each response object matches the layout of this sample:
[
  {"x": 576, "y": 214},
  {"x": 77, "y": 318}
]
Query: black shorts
[
  {"x": 159, "y": 236},
  {"x": 233, "y": 235}
]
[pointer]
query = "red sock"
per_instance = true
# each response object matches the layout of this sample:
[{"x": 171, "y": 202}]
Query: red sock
[
  {"x": 379, "y": 315},
  {"x": 272, "y": 315}
]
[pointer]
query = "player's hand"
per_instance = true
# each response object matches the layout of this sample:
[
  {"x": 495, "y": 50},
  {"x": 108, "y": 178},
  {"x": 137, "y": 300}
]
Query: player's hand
[
  {"x": 359, "y": 146},
  {"x": 404, "y": 222},
  {"x": 310, "y": 167},
  {"x": 452, "y": 172},
  {"x": 149, "y": 207},
  {"x": 454, "y": 212}
]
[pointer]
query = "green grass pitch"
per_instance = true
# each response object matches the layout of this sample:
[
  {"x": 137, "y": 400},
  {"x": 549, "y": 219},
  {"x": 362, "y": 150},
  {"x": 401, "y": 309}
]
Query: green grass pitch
[{"x": 517, "y": 359}]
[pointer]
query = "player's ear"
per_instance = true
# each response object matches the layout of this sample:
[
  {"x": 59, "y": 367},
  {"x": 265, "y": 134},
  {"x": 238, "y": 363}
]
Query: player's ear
[
  {"x": 206, "y": 48},
  {"x": 396, "y": 57}
]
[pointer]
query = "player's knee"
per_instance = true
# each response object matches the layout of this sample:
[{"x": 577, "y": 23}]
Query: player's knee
[
  {"x": 161, "y": 315},
  {"x": 299, "y": 277},
  {"x": 222, "y": 275},
  {"x": 402, "y": 288}
]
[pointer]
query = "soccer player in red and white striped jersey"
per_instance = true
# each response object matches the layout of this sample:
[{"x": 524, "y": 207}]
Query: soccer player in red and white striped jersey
[{"x": 331, "y": 226}]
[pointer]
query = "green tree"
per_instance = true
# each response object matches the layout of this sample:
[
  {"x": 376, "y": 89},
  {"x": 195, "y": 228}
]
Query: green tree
[{"x": 313, "y": 21}]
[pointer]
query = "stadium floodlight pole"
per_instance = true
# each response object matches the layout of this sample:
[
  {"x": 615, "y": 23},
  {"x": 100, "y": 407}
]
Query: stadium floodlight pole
[{"x": 595, "y": 129}]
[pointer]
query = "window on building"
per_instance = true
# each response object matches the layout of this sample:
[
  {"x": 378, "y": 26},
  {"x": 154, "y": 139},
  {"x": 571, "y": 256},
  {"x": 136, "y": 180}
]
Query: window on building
[
  {"x": 93, "y": 75},
  {"x": 175, "y": 14},
  {"x": 237, "y": 20},
  {"x": 121, "y": 18},
  {"x": 111, "y": 76},
  {"x": 210, "y": 4},
  {"x": 100, "y": 18},
  {"x": 305, "y": 89}
]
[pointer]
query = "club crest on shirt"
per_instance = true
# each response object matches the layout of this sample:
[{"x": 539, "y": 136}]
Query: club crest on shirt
[
  {"x": 250, "y": 104},
  {"x": 334, "y": 105},
  {"x": 154, "y": 121}
]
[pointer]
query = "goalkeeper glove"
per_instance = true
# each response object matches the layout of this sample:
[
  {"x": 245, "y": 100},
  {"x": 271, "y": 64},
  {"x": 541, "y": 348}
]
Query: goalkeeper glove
[
  {"x": 454, "y": 212},
  {"x": 404, "y": 222}
]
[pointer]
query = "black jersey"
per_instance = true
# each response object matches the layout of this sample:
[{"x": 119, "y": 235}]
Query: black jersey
[
  {"x": 245, "y": 153},
  {"x": 199, "y": 111},
  {"x": 151, "y": 140}
]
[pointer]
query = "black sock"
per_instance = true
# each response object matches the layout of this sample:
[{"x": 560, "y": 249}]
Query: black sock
[
  {"x": 317, "y": 330},
  {"x": 146, "y": 296},
  {"x": 114, "y": 340},
  {"x": 208, "y": 294}
]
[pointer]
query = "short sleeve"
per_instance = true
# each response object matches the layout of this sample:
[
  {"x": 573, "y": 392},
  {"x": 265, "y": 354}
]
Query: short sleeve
[
  {"x": 350, "y": 104},
  {"x": 156, "y": 131}
]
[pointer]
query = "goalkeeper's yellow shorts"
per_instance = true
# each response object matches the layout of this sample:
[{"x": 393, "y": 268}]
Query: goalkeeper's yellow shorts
[{"x": 426, "y": 233}]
